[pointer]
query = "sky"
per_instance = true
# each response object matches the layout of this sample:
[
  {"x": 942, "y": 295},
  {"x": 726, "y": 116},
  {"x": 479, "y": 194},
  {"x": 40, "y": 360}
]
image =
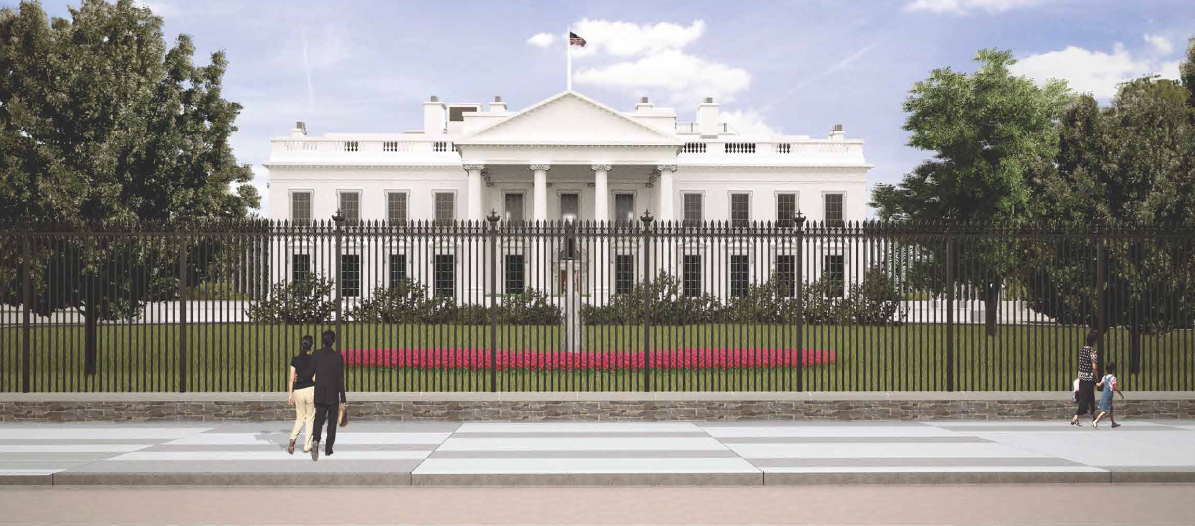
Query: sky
[{"x": 795, "y": 68}]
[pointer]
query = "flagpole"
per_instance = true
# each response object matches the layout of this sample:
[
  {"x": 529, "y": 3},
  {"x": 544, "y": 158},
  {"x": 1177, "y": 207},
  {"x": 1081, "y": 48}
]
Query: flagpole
[{"x": 568, "y": 44}]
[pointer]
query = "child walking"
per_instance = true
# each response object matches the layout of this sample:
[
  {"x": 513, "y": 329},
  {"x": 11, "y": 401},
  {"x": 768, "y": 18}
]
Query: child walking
[{"x": 1109, "y": 384}]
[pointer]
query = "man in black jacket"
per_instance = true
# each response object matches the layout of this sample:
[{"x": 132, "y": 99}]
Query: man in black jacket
[{"x": 327, "y": 367}]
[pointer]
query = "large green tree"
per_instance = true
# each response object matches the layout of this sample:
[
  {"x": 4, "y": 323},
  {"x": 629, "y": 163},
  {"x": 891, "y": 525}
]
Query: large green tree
[
  {"x": 1129, "y": 163},
  {"x": 103, "y": 124},
  {"x": 988, "y": 131}
]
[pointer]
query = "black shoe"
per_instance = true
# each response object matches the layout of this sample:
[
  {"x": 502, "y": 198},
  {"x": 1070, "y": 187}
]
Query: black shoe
[
  {"x": 315, "y": 451},
  {"x": 328, "y": 451}
]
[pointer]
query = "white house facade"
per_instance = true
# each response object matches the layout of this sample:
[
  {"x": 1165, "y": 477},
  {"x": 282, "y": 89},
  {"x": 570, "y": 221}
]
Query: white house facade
[{"x": 567, "y": 158}]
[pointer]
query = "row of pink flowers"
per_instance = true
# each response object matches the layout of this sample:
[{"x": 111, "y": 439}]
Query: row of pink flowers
[{"x": 477, "y": 359}]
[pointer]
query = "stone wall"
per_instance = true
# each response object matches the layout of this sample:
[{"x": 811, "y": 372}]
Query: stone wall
[{"x": 588, "y": 406}]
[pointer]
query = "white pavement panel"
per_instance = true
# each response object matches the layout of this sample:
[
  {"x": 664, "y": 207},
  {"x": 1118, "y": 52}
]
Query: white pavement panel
[
  {"x": 97, "y": 433},
  {"x": 535, "y": 443},
  {"x": 823, "y": 431},
  {"x": 580, "y": 427},
  {"x": 890, "y": 450},
  {"x": 555, "y": 466},
  {"x": 208, "y": 456},
  {"x": 233, "y": 439}
]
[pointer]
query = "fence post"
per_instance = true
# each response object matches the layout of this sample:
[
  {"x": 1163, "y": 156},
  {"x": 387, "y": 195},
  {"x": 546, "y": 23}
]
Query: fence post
[
  {"x": 950, "y": 240},
  {"x": 338, "y": 219},
  {"x": 26, "y": 307},
  {"x": 493, "y": 220},
  {"x": 182, "y": 313},
  {"x": 1101, "y": 291},
  {"x": 799, "y": 277},
  {"x": 647, "y": 220}
]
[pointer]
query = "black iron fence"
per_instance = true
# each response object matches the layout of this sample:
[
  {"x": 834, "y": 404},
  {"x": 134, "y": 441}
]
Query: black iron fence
[{"x": 607, "y": 307}]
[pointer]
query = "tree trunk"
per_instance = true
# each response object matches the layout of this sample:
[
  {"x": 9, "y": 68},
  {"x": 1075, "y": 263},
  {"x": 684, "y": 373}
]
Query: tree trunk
[
  {"x": 90, "y": 336},
  {"x": 991, "y": 307}
]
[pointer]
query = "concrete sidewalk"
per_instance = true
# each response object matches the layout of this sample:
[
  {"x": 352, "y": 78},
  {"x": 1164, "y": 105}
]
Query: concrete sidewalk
[{"x": 592, "y": 453}]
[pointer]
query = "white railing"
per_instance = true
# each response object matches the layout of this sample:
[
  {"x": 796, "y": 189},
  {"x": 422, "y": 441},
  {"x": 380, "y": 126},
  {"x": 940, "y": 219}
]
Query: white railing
[
  {"x": 786, "y": 148},
  {"x": 331, "y": 146}
]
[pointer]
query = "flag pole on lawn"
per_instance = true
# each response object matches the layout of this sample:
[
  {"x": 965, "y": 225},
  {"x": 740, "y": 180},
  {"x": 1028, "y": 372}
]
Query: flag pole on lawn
[{"x": 568, "y": 44}]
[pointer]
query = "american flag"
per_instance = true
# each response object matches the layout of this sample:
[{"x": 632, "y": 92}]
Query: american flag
[{"x": 574, "y": 40}]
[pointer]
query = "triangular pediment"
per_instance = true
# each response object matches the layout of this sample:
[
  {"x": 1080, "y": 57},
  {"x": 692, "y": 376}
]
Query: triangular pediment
[{"x": 570, "y": 119}]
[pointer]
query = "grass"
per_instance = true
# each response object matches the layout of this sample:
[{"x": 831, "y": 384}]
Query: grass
[{"x": 250, "y": 357}]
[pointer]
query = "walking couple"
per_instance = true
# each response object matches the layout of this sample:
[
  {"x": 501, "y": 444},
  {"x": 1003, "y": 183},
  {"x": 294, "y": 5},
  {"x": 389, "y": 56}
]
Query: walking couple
[{"x": 316, "y": 389}]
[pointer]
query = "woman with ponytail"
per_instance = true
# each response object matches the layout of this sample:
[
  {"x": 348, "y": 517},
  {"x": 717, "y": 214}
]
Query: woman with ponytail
[{"x": 301, "y": 394}]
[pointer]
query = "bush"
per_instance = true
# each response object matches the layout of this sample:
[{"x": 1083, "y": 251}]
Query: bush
[
  {"x": 875, "y": 301},
  {"x": 669, "y": 306},
  {"x": 530, "y": 308},
  {"x": 308, "y": 300},
  {"x": 406, "y": 302},
  {"x": 823, "y": 305}
]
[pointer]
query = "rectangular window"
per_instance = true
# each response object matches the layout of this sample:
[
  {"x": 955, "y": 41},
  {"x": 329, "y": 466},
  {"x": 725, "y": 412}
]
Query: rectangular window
[
  {"x": 786, "y": 208},
  {"x": 445, "y": 208},
  {"x": 515, "y": 274},
  {"x": 300, "y": 267},
  {"x": 396, "y": 207},
  {"x": 514, "y": 208},
  {"x": 693, "y": 212},
  {"x": 300, "y": 208},
  {"x": 445, "y": 278},
  {"x": 739, "y": 272},
  {"x": 570, "y": 207},
  {"x": 624, "y": 273},
  {"x": 398, "y": 269},
  {"x": 833, "y": 204},
  {"x": 740, "y": 213},
  {"x": 624, "y": 208},
  {"x": 350, "y": 207},
  {"x": 786, "y": 275},
  {"x": 691, "y": 276},
  {"x": 835, "y": 275},
  {"x": 350, "y": 275}
]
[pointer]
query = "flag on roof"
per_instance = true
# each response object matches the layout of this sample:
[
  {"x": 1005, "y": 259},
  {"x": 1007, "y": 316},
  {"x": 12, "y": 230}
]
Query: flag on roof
[{"x": 574, "y": 40}]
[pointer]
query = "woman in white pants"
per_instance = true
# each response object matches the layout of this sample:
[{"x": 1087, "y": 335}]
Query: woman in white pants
[{"x": 301, "y": 394}]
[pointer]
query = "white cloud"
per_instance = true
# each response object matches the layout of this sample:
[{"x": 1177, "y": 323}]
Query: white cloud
[
  {"x": 968, "y": 6},
  {"x": 261, "y": 180},
  {"x": 626, "y": 39},
  {"x": 1159, "y": 43},
  {"x": 1093, "y": 72},
  {"x": 542, "y": 39},
  {"x": 748, "y": 122},
  {"x": 682, "y": 77}
]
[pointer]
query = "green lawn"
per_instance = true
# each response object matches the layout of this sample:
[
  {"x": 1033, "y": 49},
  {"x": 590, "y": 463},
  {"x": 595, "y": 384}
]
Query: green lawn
[{"x": 249, "y": 357}]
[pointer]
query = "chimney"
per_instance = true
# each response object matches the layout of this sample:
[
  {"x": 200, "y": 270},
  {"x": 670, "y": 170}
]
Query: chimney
[
  {"x": 434, "y": 118},
  {"x": 498, "y": 107},
  {"x": 644, "y": 104},
  {"x": 837, "y": 134},
  {"x": 300, "y": 129},
  {"x": 707, "y": 117}
]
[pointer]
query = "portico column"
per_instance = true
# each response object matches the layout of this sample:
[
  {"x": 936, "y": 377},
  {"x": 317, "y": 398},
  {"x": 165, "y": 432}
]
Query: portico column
[
  {"x": 601, "y": 193},
  {"x": 473, "y": 209},
  {"x": 540, "y": 197},
  {"x": 664, "y": 196}
]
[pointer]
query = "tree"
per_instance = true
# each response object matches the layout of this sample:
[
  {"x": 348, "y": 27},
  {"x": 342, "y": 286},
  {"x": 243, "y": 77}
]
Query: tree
[
  {"x": 101, "y": 125},
  {"x": 1131, "y": 163},
  {"x": 988, "y": 131}
]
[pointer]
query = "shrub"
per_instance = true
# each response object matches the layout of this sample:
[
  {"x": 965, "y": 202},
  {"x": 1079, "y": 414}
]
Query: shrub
[
  {"x": 876, "y": 300},
  {"x": 308, "y": 300},
  {"x": 822, "y": 303},
  {"x": 533, "y": 307},
  {"x": 406, "y": 302},
  {"x": 669, "y": 306}
]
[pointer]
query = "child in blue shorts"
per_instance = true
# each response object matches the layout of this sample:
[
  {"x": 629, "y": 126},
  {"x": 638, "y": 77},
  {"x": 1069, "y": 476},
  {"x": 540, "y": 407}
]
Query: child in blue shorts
[{"x": 1109, "y": 384}]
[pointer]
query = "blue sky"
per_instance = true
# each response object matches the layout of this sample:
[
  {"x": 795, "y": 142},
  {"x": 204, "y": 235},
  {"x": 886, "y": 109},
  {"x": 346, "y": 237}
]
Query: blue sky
[{"x": 795, "y": 67}]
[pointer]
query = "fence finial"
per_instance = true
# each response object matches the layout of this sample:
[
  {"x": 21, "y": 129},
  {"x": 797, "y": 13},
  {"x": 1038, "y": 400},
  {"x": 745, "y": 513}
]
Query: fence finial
[{"x": 338, "y": 217}]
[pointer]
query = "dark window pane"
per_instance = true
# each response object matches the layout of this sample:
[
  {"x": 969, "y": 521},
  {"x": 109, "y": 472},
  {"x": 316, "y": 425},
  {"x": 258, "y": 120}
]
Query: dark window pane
[
  {"x": 835, "y": 275},
  {"x": 300, "y": 208},
  {"x": 739, "y": 272},
  {"x": 350, "y": 275},
  {"x": 692, "y": 209},
  {"x": 398, "y": 269},
  {"x": 350, "y": 207},
  {"x": 396, "y": 211},
  {"x": 834, "y": 210},
  {"x": 570, "y": 207},
  {"x": 300, "y": 267},
  {"x": 445, "y": 278},
  {"x": 624, "y": 273},
  {"x": 445, "y": 208},
  {"x": 514, "y": 208},
  {"x": 691, "y": 276},
  {"x": 786, "y": 275},
  {"x": 624, "y": 208},
  {"x": 739, "y": 209},
  {"x": 515, "y": 274},
  {"x": 786, "y": 207}
]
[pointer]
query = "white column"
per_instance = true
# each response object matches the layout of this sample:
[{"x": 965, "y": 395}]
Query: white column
[
  {"x": 601, "y": 192},
  {"x": 473, "y": 207},
  {"x": 541, "y": 191},
  {"x": 664, "y": 196}
]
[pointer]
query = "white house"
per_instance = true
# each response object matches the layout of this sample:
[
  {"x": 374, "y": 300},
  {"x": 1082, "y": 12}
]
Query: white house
[{"x": 568, "y": 157}]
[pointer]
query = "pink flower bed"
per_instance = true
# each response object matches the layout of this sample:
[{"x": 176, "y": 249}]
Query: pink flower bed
[{"x": 478, "y": 359}]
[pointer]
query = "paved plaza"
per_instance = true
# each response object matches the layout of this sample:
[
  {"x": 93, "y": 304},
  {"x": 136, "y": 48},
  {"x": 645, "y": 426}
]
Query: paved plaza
[{"x": 592, "y": 453}]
